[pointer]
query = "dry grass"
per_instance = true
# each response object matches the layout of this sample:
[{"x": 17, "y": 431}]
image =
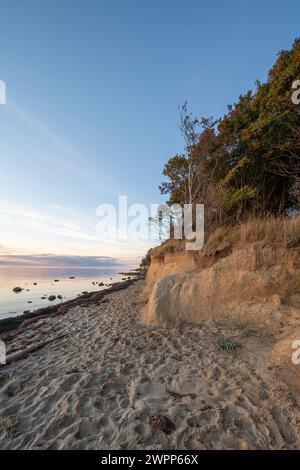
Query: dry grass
[
  {"x": 169, "y": 246},
  {"x": 222, "y": 235},
  {"x": 227, "y": 345},
  {"x": 271, "y": 229}
]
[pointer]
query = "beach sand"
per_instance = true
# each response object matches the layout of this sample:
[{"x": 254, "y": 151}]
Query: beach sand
[{"x": 99, "y": 383}]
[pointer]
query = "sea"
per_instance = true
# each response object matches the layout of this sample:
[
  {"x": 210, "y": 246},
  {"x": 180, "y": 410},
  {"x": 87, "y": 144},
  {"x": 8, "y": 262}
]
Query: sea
[{"x": 39, "y": 284}]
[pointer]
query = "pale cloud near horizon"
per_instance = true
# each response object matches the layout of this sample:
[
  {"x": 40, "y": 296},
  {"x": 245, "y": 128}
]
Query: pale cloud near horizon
[
  {"x": 32, "y": 228},
  {"x": 24, "y": 216},
  {"x": 28, "y": 230},
  {"x": 48, "y": 260}
]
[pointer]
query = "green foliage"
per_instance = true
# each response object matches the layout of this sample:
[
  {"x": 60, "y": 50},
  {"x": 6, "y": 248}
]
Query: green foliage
[
  {"x": 248, "y": 162},
  {"x": 240, "y": 195},
  {"x": 176, "y": 169}
]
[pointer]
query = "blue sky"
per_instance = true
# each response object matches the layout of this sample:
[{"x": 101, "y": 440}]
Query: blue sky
[{"x": 93, "y": 89}]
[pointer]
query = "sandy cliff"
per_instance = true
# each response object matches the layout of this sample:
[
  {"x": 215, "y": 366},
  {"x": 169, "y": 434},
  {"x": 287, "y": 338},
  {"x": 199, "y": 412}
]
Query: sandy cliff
[{"x": 255, "y": 286}]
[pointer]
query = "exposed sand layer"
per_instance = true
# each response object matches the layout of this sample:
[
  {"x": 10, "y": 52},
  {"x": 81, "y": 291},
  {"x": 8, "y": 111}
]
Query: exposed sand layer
[
  {"x": 99, "y": 386},
  {"x": 257, "y": 283}
]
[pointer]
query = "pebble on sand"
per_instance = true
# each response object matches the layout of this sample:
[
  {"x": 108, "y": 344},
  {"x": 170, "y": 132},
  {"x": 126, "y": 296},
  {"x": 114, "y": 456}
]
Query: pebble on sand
[{"x": 17, "y": 289}]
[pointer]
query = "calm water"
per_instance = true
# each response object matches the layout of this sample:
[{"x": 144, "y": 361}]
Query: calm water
[{"x": 12, "y": 304}]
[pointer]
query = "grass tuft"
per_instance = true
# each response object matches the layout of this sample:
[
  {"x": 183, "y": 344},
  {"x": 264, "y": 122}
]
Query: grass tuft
[{"x": 227, "y": 345}]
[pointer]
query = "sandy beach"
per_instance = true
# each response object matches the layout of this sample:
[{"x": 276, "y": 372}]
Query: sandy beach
[{"x": 109, "y": 381}]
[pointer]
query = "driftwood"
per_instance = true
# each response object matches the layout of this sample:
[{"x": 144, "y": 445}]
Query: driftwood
[
  {"x": 17, "y": 356},
  {"x": 16, "y": 323},
  {"x": 84, "y": 300}
]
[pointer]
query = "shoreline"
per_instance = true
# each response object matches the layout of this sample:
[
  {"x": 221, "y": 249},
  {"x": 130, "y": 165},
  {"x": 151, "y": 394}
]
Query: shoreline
[
  {"x": 9, "y": 324},
  {"x": 103, "y": 379}
]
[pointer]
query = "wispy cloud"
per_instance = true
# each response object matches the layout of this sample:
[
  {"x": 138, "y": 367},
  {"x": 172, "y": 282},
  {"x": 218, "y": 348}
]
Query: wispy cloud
[
  {"x": 33, "y": 226},
  {"x": 74, "y": 160},
  {"x": 26, "y": 217},
  {"x": 54, "y": 261},
  {"x": 30, "y": 230}
]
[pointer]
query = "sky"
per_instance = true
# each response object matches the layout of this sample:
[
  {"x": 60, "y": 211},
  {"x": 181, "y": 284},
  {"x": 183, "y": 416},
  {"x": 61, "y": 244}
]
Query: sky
[{"x": 92, "y": 96}]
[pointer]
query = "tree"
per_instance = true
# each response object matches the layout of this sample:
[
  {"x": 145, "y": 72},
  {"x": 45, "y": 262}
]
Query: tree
[{"x": 248, "y": 162}]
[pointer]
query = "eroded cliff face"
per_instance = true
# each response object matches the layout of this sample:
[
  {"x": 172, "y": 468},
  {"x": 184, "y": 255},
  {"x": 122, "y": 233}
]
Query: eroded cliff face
[
  {"x": 170, "y": 264},
  {"x": 257, "y": 284},
  {"x": 254, "y": 288}
]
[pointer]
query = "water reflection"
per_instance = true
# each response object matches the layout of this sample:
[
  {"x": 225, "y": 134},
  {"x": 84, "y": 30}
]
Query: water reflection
[{"x": 39, "y": 284}]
